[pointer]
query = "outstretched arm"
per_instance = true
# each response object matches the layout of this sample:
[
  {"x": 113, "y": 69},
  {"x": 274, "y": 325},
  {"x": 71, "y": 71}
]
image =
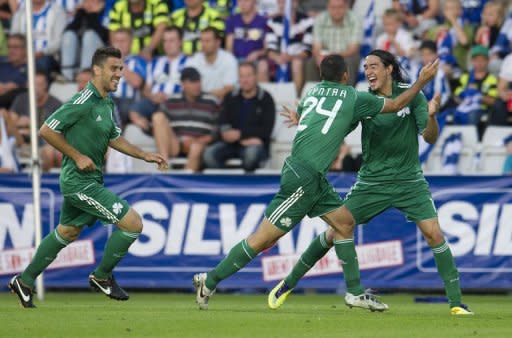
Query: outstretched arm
[
  {"x": 122, "y": 145},
  {"x": 426, "y": 75},
  {"x": 431, "y": 132}
]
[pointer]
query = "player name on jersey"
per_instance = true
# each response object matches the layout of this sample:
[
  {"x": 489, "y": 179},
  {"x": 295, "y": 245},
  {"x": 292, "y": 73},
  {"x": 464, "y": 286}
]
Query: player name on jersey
[{"x": 327, "y": 91}]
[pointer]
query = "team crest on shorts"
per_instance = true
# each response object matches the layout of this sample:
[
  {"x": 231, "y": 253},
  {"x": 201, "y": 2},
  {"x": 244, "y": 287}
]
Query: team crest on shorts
[
  {"x": 117, "y": 207},
  {"x": 286, "y": 222}
]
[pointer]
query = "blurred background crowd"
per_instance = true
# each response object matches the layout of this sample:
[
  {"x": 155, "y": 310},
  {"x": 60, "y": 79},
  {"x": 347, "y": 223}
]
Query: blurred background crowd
[{"x": 203, "y": 80}]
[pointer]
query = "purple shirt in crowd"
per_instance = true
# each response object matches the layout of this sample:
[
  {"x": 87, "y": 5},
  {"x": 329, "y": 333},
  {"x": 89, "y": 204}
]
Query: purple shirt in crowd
[{"x": 247, "y": 37}]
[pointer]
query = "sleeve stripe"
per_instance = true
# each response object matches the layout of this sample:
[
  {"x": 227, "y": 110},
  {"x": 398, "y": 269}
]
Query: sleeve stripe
[
  {"x": 53, "y": 124},
  {"x": 383, "y": 104},
  {"x": 86, "y": 94}
]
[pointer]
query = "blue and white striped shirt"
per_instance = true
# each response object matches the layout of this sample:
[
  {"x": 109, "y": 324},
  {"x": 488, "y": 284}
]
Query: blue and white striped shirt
[
  {"x": 137, "y": 65},
  {"x": 163, "y": 75},
  {"x": 47, "y": 26}
]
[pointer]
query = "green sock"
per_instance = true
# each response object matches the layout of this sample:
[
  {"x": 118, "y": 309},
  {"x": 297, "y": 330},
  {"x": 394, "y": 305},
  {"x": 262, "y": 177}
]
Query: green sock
[
  {"x": 346, "y": 252},
  {"x": 115, "y": 249},
  {"x": 238, "y": 257},
  {"x": 45, "y": 254},
  {"x": 448, "y": 272},
  {"x": 316, "y": 250}
]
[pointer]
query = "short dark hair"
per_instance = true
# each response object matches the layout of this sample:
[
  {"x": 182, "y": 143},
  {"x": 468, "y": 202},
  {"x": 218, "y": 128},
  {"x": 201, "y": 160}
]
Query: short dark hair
[
  {"x": 332, "y": 68},
  {"x": 249, "y": 64},
  {"x": 103, "y": 53},
  {"x": 19, "y": 37},
  {"x": 176, "y": 29},
  {"x": 215, "y": 31},
  {"x": 387, "y": 59},
  {"x": 428, "y": 44}
]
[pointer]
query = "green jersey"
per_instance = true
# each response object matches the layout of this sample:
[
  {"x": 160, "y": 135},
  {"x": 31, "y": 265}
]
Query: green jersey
[
  {"x": 328, "y": 112},
  {"x": 390, "y": 142},
  {"x": 86, "y": 122}
]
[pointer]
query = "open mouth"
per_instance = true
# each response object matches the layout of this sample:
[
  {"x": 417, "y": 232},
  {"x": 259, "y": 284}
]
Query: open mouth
[{"x": 372, "y": 80}]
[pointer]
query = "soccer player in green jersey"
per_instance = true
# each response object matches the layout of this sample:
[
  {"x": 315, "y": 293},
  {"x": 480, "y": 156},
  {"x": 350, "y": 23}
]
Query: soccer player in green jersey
[
  {"x": 83, "y": 129},
  {"x": 327, "y": 113},
  {"x": 391, "y": 176}
]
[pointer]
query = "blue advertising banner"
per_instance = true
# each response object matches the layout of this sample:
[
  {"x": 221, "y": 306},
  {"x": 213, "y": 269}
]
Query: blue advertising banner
[{"x": 192, "y": 221}]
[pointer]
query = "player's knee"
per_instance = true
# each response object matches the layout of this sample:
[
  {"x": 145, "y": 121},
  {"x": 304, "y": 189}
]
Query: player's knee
[
  {"x": 434, "y": 238},
  {"x": 329, "y": 236},
  {"x": 68, "y": 233},
  {"x": 137, "y": 223}
]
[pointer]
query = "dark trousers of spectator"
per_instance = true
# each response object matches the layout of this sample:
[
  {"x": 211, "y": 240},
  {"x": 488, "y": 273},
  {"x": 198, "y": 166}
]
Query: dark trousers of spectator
[
  {"x": 122, "y": 110},
  {"x": 48, "y": 65},
  {"x": 216, "y": 155},
  {"x": 7, "y": 99},
  {"x": 499, "y": 113}
]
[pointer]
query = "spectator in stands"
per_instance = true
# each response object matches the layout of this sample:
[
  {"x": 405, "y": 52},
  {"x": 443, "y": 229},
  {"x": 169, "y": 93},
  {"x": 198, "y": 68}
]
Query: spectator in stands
[
  {"x": 453, "y": 38},
  {"x": 13, "y": 71},
  {"x": 192, "y": 19},
  {"x": 146, "y": 18},
  {"x": 218, "y": 68},
  {"x": 477, "y": 89},
  {"x": 312, "y": 7},
  {"x": 268, "y": 8},
  {"x": 224, "y": 7},
  {"x": 245, "y": 35},
  {"x": 495, "y": 33},
  {"x": 46, "y": 104},
  {"x": 472, "y": 11},
  {"x": 345, "y": 161},
  {"x": 336, "y": 31},
  {"x": 82, "y": 77},
  {"x": 502, "y": 108},
  {"x": 395, "y": 39},
  {"x": 299, "y": 44},
  {"x": 186, "y": 123},
  {"x": 162, "y": 79},
  {"x": 440, "y": 84},
  {"x": 492, "y": 19},
  {"x": 507, "y": 166},
  {"x": 9, "y": 137},
  {"x": 7, "y": 9},
  {"x": 82, "y": 37},
  {"x": 134, "y": 75},
  {"x": 3, "y": 43},
  {"x": 246, "y": 122},
  {"x": 71, "y": 7},
  {"x": 47, "y": 32},
  {"x": 418, "y": 15},
  {"x": 360, "y": 9}
]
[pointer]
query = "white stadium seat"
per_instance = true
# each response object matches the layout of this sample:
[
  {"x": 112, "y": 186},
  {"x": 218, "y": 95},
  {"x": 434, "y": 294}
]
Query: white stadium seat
[
  {"x": 493, "y": 152},
  {"x": 63, "y": 91},
  {"x": 354, "y": 140},
  {"x": 307, "y": 86},
  {"x": 467, "y": 160}
]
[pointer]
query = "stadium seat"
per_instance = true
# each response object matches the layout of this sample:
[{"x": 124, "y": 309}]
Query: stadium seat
[
  {"x": 135, "y": 135},
  {"x": 283, "y": 94},
  {"x": 63, "y": 91},
  {"x": 307, "y": 86},
  {"x": 493, "y": 152},
  {"x": 467, "y": 161},
  {"x": 354, "y": 140},
  {"x": 279, "y": 151}
]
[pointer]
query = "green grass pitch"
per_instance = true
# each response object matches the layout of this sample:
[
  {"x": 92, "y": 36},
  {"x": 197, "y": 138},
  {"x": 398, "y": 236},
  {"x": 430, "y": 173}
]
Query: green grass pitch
[{"x": 176, "y": 315}]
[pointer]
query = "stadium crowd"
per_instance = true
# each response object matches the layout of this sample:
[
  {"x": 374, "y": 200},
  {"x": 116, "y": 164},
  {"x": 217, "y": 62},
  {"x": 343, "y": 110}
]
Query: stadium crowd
[{"x": 197, "y": 73}]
